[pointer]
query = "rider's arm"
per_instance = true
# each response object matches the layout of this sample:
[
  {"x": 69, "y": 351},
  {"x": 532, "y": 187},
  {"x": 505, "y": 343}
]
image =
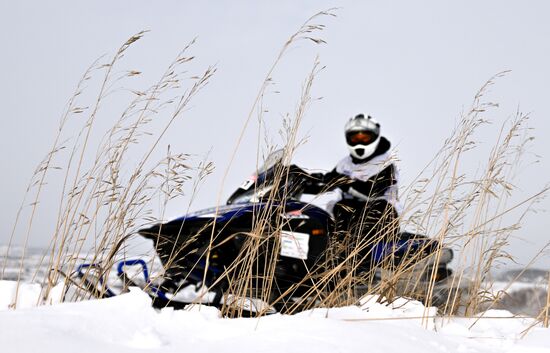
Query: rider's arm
[
  {"x": 322, "y": 182},
  {"x": 377, "y": 185}
]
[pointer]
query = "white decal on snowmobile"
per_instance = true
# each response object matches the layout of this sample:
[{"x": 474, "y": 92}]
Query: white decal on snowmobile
[
  {"x": 211, "y": 212},
  {"x": 294, "y": 244},
  {"x": 207, "y": 215},
  {"x": 248, "y": 183}
]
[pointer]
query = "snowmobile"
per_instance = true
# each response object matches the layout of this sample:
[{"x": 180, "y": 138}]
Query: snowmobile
[{"x": 203, "y": 253}]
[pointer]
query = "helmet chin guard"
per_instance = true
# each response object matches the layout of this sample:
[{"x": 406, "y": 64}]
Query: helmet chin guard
[{"x": 362, "y": 136}]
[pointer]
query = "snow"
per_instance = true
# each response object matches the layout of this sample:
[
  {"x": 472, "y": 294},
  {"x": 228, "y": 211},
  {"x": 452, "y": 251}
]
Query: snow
[
  {"x": 128, "y": 323},
  {"x": 510, "y": 287}
]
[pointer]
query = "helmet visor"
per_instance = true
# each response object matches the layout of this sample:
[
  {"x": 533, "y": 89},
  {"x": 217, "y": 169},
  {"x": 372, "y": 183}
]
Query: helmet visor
[{"x": 361, "y": 137}]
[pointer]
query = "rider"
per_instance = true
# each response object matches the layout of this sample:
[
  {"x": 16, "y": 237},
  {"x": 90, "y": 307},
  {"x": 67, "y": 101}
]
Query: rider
[{"x": 367, "y": 179}]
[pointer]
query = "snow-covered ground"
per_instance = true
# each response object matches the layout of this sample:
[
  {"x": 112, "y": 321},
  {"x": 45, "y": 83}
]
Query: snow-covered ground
[{"x": 128, "y": 323}]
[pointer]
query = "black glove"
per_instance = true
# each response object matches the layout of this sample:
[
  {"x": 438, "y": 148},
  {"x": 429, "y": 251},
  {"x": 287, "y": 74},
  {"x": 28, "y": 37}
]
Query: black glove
[
  {"x": 317, "y": 178},
  {"x": 313, "y": 183}
]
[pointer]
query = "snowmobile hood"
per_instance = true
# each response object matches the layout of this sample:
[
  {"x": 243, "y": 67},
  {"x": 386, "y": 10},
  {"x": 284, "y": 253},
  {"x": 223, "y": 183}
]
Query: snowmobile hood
[
  {"x": 221, "y": 213},
  {"x": 227, "y": 212}
]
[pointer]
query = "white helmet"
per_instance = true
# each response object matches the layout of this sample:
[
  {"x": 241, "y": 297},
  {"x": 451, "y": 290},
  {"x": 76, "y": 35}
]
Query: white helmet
[{"x": 362, "y": 136}]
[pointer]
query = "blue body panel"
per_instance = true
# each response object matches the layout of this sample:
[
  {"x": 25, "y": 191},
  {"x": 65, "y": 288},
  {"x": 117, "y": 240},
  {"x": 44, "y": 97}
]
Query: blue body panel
[{"x": 232, "y": 212}]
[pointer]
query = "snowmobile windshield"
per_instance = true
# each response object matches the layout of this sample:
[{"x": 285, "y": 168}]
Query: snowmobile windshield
[
  {"x": 260, "y": 184},
  {"x": 271, "y": 160}
]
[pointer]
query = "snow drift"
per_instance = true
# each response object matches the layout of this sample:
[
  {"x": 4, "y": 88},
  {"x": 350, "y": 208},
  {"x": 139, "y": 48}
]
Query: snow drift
[{"x": 128, "y": 322}]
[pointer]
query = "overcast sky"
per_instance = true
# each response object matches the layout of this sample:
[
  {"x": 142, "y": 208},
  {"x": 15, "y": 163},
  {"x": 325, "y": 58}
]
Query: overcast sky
[{"x": 413, "y": 65}]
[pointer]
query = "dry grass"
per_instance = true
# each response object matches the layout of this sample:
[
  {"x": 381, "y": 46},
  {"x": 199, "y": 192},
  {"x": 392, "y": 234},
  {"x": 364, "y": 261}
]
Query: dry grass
[
  {"x": 545, "y": 313},
  {"x": 101, "y": 202},
  {"x": 104, "y": 203}
]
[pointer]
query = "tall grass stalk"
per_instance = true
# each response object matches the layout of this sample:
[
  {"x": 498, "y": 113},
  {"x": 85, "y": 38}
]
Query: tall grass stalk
[{"x": 546, "y": 310}]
